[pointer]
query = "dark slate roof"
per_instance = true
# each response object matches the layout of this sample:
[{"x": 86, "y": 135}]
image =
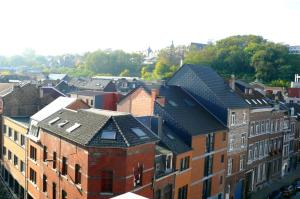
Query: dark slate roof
[
  {"x": 87, "y": 93},
  {"x": 93, "y": 123},
  {"x": 188, "y": 112},
  {"x": 168, "y": 137},
  {"x": 252, "y": 97},
  {"x": 22, "y": 120},
  {"x": 218, "y": 86},
  {"x": 90, "y": 84}
]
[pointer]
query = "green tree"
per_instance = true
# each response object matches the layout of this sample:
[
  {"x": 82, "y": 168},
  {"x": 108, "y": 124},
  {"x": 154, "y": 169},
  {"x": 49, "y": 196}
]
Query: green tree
[{"x": 125, "y": 73}]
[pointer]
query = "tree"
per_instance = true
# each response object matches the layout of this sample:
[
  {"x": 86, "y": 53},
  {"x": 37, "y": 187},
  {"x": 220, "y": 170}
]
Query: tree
[{"x": 125, "y": 73}]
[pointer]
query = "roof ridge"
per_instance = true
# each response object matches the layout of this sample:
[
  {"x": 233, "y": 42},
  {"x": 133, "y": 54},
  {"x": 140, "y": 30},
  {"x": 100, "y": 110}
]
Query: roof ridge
[{"x": 120, "y": 130}]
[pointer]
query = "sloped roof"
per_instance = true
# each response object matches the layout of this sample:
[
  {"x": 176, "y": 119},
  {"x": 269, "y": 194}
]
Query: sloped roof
[
  {"x": 90, "y": 84},
  {"x": 218, "y": 86},
  {"x": 93, "y": 122},
  {"x": 57, "y": 104},
  {"x": 188, "y": 112}
]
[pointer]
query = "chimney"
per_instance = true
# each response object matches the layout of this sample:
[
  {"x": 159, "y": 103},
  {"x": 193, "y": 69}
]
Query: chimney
[
  {"x": 159, "y": 126},
  {"x": 246, "y": 91},
  {"x": 154, "y": 93},
  {"x": 232, "y": 82},
  {"x": 250, "y": 90},
  {"x": 292, "y": 111},
  {"x": 161, "y": 100}
]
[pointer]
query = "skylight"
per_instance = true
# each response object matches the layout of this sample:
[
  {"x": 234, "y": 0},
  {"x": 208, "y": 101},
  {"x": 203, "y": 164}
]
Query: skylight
[
  {"x": 259, "y": 101},
  {"x": 108, "y": 135},
  {"x": 248, "y": 101},
  {"x": 63, "y": 123},
  {"x": 53, "y": 120},
  {"x": 264, "y": 101},
  {"x": 140, "y": 133},
  {"x": 72, "y": 128},
  {"x": 172, "y": 103},
  {"x": 170, "y": 136},
  {"x": 253, "y": 101}
]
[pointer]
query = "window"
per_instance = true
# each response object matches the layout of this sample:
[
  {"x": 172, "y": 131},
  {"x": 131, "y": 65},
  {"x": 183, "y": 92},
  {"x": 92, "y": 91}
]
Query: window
[
  {"x": 169, "y": 162},
  {"x": 157, "y": 194},
  {"x": 107, "y": 181},
  {"x": 229, "y": 168},
  {"x": 9, "y": 155},
  {"x": 33, "y": 153},
  {"x": 231, "y": 144},
  {"x": 244, "y": 117},
  {"x": 222, "y": 158},
  {"x": 64, "y": 194},
  {"x": 184, "y": 163},
  {"x": 32, "y": 176},
  {"x": 250, "y": 153},
  {"x": 64, "y": 169},
  {"x": 209, "y": 142},
  {"x": 16, "y": 136},
  {"x": 208, "y": 165},
  {"x": 44, "y": 183},
  {"x": 22, "y": 166},
  {"x": 4, "y": 151},
  {"x": 77, "y": 174},
  {"x": 4, "y": 129},
  {"x": 252, "y": 128},
  {"x": 182, "y": 192},
  {"x": 92, "y": 102},
  {"x": 257, "y": 130},
  {"x": 53, "y": 190},
  {"x": 140, "y": 133},
  {"x": 16, "y": 160},
  {"x": 243, "y": 140},
  {"x": 54, "y": 160},
  {"x": 221, "y": 179},
  {"x": 207, "y": 188},
  {"x": 138, "y": 176},
  {"x": 242, "y": 162},
  {"x": 233, "y": 117},
  {"x": 9, "y": 132},
  {"x": 45, "y": 153},
  {"x": 22, "y": 140},
  {"x": 262, "y": 124},
  {"x": 108, "y": 135}
]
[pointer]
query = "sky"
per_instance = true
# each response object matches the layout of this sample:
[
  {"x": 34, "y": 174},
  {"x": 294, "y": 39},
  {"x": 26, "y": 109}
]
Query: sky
[{"x": 53, "y": 27}]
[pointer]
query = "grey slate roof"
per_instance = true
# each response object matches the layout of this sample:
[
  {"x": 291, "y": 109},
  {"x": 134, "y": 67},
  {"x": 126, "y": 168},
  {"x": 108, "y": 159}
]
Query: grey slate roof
[
  {"x": 168, "y": 137},
  {"x": 218, "y": 86},
  {"x": 90, "y": 84},
  {"x": 88, "y": 92},
  {"x": 188, "y": 112},
  {"x": 93, "y": 123}
]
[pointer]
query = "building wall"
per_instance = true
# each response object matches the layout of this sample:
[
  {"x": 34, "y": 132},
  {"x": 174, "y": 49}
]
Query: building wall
[
  {"x": 16, "y": 149},
  {"x": 139, "y": 103},
  {"x": 218, "y": 167}
]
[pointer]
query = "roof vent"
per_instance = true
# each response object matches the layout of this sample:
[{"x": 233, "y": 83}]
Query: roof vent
[
  {"x": 140, "y": 133},
  {"x": 72, "y": 128},
  {"x": 53, "y": 120}
]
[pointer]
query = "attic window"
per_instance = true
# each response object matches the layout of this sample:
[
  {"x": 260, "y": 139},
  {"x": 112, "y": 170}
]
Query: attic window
[
  {"x": 170, "y": 136},
  {"x": 72, "y": 128},
  {"x": 53, "y": 120},
  {"x": 63, "y": 123},
  {"x": 172, "y": 103},
  {"x": 248, "y": 101},
  {"x": 253, "y": 101},
  {"x": 140, "y": 133},
  {"x": 108, "y": 135}
]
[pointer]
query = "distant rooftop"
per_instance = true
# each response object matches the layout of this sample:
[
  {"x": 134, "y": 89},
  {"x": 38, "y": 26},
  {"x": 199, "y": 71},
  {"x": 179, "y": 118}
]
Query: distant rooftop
[{"x": 24, "y": 121}]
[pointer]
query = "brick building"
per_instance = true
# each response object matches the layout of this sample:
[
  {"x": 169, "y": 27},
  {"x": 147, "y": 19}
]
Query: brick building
[
  {"x": 196, "y": 128},
  {"x": 91, "y": 154},
  {"x": 221, "y": 100},
  {"x": 13, "y": 162}
]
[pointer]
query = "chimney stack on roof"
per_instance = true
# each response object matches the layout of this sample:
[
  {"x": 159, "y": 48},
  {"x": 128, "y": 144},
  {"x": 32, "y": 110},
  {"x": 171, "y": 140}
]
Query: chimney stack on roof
[{"x": 232, "y": 82}]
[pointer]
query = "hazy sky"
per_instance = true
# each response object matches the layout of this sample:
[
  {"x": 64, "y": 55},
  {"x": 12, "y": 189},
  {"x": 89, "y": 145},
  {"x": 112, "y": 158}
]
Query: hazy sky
[{"x": 76, "y": 26}]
